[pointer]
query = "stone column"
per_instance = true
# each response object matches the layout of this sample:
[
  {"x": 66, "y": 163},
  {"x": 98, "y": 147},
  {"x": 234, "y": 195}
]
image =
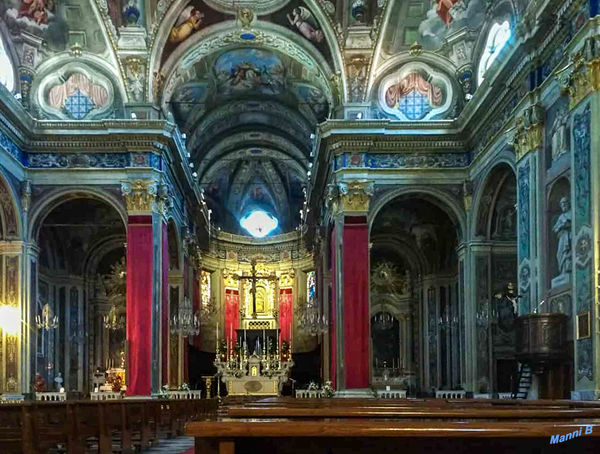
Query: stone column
[
  {"x": 350, "y": 201},
  {"x": 143, "y": 286}
]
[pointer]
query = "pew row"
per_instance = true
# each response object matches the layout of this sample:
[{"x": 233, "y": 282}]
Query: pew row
[{"x": 124, "y": 425}]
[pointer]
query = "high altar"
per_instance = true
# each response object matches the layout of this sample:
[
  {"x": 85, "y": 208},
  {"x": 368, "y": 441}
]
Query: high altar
[{"x": 255, "y": 356}]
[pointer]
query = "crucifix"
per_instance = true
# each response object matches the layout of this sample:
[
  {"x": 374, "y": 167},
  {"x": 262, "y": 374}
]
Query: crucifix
[{"x": 254, "y": 278}]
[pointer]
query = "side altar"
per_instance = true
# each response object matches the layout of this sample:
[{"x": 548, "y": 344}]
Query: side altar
[{"x": 255, "y": 356}]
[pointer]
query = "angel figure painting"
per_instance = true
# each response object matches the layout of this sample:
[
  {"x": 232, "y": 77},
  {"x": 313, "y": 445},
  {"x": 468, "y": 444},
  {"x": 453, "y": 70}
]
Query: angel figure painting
[
  {"x": 304, "y": 21},
  {"x": 32, "y": 12},
  {"x": 189, "y": 21}
]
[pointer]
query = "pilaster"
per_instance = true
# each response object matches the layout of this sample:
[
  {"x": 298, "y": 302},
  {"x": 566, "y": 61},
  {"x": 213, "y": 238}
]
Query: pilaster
[
  {"x": 582, "y": 84},
  {"x": 349, "y": 203},
  {"x": 528, "y": 142},
  {"x": 144, "y": 232}
]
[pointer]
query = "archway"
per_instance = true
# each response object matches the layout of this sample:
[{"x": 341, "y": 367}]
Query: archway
[
  {"x": 80, "y": 289},
  {"x": 496, "y": 269},
  {"x": 414, "y": 293}
]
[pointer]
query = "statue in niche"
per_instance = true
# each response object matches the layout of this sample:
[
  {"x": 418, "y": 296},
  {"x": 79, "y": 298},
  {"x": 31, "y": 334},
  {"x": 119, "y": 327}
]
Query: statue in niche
[
  {"x": 562, "y": 229},
  {"x": 560, "y": 134}
]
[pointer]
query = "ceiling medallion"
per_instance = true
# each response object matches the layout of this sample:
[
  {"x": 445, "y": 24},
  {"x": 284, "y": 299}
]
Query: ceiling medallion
[{"x": 260, "y": 7}]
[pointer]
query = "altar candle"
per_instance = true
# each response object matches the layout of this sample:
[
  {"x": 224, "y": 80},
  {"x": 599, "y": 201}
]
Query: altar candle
[{"x": 264, "y": 343}]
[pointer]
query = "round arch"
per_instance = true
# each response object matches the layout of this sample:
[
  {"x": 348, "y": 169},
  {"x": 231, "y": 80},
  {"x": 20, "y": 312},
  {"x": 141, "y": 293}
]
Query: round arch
[
  {"x": 436, "y": 196},
  {"x": 224, "y": 36},
  {"x": 51, "y": 200},
  {"x": 170, "y": 17},
  {"x": 504, "y": 159}
]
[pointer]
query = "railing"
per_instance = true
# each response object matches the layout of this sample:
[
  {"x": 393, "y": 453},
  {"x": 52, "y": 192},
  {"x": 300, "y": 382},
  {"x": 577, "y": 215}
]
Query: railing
[
  {"x": 185, "y": 394},
  {"x": 309, "y": 394},
  {"x": 51, "y": 396},
  {"x": 106, "y": 395},
  {"x": 450, "y": 394},
  {"x": 393, "y": 394}
]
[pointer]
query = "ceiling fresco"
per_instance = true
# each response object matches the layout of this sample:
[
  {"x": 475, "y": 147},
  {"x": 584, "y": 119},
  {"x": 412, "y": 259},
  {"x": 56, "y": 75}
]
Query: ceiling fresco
[{"x": 248, "y": 113}]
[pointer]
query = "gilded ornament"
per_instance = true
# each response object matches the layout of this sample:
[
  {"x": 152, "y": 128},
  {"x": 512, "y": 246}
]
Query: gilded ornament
[
  {"x": 355, "y": 196},
  {"x": 286, "y": 280},
  {"x": 245, "y": 16},
  {"x": 140, "y": 196},
  {"x": 529, "y": 134}
]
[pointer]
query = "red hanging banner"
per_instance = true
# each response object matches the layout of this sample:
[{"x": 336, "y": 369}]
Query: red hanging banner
[
  {"x": 232, "y": 318},
  {"x": 285, "y": 315}
]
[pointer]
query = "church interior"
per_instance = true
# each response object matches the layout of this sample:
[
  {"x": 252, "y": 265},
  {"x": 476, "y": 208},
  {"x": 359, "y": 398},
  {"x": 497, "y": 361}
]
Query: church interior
[{"x": 290, "y": 225}]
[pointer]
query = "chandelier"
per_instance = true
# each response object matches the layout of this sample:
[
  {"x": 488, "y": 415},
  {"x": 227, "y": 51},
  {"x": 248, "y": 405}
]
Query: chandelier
[
  {"x": 113, "y": 320},
  {"x": 185, "y": 321},
  {"x": 310, "y": 320},
  {"x": 383, "y": 321},
  {"x": 47, "y": 320}
]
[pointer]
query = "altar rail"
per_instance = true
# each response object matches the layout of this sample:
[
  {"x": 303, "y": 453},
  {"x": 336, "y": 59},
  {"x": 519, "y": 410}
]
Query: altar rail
[
  {"x": 51, "y": 396},
  {"x": 450, "y": 394},
  {"x": 123, "y": 425}
]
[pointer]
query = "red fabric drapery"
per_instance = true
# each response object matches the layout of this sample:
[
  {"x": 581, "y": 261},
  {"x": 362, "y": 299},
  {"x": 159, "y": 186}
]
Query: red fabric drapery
[
  {"x": 414, "y": 81},
  {"x": 443, "y": 9},
  {"x": 285, "y": 315},
  {"x": 165, "y": 306},
  {"x": 196, "y": 303},
  {"x": 332, "y": 326},
  {"x": 356, "y": 302},
  {"x": 139, "y": 303},
  {"x": 232, "y": 319}
]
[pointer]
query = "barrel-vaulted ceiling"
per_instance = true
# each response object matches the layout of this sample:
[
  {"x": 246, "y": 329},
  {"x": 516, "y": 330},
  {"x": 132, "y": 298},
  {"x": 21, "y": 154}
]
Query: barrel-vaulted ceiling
[
  {"x": 248, "y": 94},
  {"x": 248, "y": 80}
]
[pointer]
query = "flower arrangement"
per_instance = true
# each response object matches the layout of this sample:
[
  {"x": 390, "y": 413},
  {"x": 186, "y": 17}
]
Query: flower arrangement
[
  {"x": 184, "y": 387},
  {"x": 328, "y": 390}
]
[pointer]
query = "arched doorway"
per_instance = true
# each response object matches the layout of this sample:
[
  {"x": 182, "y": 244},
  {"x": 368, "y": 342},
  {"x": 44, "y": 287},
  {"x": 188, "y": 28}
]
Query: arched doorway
[
  {"x": 414, "y": 294},
  {"x": 496, "y": 269},
  {"x": 79, "y": 311}
]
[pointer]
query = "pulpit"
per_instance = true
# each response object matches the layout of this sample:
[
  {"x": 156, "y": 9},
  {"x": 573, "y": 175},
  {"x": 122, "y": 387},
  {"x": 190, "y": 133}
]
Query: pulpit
[{"x": 541, "y": 339}]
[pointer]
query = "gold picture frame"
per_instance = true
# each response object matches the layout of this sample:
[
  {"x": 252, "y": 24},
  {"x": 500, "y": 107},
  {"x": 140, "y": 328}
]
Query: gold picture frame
[{"x": 584, "y": 325}]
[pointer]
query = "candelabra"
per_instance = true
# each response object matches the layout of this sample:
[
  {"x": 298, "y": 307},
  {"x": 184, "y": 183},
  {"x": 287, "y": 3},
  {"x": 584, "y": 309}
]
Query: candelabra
[
  {"x": 185, "y": 321},
  {"x": 47, "y": 320},
  {"x": 113, "y": 320},
  {"x": 310, "y": 320}
]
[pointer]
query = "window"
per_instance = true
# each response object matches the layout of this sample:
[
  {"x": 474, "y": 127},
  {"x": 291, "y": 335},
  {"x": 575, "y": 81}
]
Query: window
[
  {"x": 310, "y": 286},
  {"x": 259, "y": 224},
  {"x": 78, "y": 105},
  {"x": 497, "y": 39},
  {"x": 414, "y": 105},
  {"x": 7, "y": 75}
]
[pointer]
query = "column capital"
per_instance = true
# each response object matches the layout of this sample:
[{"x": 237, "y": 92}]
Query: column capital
[
  {"x": 350, "y": 197},
  {"x": 529, "y": 133},
  {"x": 582, "y": 76},
  {"x": 140, "y": 196}
]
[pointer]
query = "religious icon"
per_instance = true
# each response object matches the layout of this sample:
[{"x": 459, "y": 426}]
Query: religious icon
[
  {"x": 583, "y": 325},
  {"x": 188, "y": 22},
  {"x": 306, "y": 24}
]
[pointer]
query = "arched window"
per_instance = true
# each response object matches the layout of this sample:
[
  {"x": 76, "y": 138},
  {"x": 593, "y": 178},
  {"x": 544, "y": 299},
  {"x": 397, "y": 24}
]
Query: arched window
[
  {"x": 496, "y": 40},
  {"x": 7, "y": 74}
]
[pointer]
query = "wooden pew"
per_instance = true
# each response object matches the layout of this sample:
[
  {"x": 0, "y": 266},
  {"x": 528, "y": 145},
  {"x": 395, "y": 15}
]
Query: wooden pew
[
  {"x": 363, "y": 435},
  {"x": 95, "y": 426},
  {"x": 361, "y": 426}
]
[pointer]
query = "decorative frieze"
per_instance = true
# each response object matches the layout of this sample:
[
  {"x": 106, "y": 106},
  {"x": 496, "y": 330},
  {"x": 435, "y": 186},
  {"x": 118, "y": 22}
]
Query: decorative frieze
[
  {"x": 402, "y": 160},
  {"x": 140, "y": 196}
]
